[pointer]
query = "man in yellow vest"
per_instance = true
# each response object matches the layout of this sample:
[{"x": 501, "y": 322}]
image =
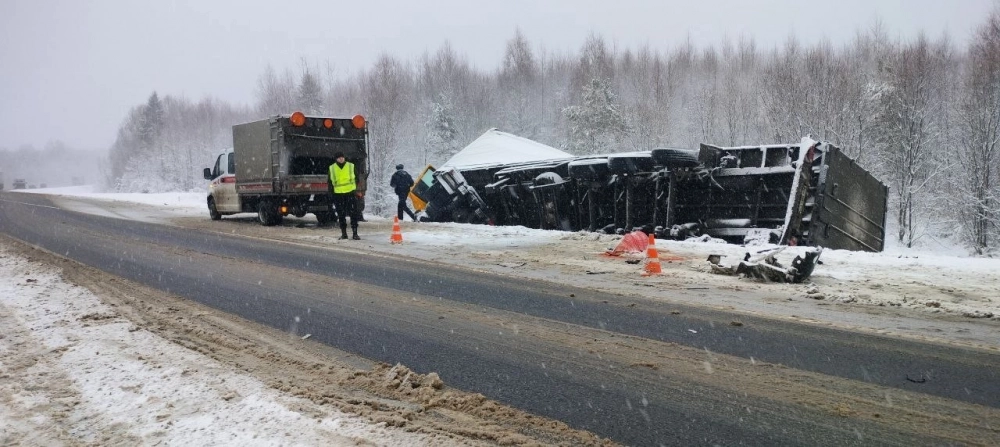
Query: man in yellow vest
[{"x": 345, "y": 185}]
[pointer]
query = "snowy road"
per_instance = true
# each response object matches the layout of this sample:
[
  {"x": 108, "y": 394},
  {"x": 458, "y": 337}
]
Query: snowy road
[{"x": 615, "y": 368}]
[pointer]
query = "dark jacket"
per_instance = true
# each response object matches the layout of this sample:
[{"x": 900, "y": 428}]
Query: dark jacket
[{"x": 401, "y": 182}]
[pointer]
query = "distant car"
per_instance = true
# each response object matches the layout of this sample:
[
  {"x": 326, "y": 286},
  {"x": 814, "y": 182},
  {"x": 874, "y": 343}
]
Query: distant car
[{"x": 20, "y": 183}]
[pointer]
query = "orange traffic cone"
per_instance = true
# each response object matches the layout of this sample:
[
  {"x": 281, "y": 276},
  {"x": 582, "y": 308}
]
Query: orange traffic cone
[
  {"x": 652, "y": 258},
  {"x": 397, "y": 235}
]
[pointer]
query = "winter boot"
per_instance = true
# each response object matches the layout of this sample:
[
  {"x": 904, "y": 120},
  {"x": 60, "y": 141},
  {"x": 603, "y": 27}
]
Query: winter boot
[{"x": 355, "y": 237}]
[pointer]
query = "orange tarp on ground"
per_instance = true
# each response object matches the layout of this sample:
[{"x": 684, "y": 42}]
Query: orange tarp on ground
[
  {"x": 637, "y": 242},
  {"x": 634, "y": 242}
]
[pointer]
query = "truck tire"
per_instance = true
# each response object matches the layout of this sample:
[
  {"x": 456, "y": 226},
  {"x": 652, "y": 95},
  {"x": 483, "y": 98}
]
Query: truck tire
[
  {"x": 675, "y": 158},
  {"x": 630, "y": 164},
  {"x": 212, "y": 211},
  {"x": 267, "y": 215}
]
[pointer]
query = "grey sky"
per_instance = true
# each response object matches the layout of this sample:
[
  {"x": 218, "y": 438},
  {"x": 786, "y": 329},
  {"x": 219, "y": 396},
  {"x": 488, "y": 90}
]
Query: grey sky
[{"x": 70, "y": 70}]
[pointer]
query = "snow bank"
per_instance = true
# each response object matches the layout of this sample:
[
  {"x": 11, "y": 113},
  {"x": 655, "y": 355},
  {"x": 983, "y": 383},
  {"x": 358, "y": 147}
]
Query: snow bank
[{"x": 87, "y": 375}]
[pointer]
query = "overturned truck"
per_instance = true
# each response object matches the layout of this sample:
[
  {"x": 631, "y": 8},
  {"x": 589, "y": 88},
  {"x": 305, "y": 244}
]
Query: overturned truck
[{"x": 791, "y": 194}]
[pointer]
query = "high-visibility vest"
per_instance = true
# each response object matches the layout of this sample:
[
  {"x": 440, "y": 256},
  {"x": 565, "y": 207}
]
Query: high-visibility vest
[{"x": 342, "y": 178}]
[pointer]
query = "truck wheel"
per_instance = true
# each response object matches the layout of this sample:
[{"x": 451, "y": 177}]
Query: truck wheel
[
  {"x": 675, "y": 158},
  {"x": 212, "y": 211},
  {"x": 267, "y": 215}
]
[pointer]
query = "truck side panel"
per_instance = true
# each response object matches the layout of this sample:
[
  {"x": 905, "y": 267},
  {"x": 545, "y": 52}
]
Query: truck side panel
[
  {"x": 852, "y": 207},
  {"x": 255, "y": 167}
]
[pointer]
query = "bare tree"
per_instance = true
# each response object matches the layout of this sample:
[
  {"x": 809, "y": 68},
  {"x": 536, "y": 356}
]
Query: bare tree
[
  {"x": 387, "y": 87},
  {"x": 596, "y": 62},
  {"x": 448, "y": 91},
  {"x": 979, "y": 122},
  {"x": 892, "y": 104},
  {"x": 275, "y": 95},
  {"x": 641, "y": 93},
  {"x": 519, "y": 83},
  {"x": 910, "y": 120},
  {"x": 309, "y": 95},
  {"x": 785, "y": 94}
]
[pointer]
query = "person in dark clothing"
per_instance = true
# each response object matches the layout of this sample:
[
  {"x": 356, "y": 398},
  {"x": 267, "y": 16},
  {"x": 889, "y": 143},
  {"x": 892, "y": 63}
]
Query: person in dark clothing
[
  {"x": 344, "y": 186},
  {"x": 401, "y": 182}
]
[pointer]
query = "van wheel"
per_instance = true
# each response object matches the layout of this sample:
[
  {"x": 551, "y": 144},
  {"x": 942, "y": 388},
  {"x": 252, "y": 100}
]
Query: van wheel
[
  {"x": 212, "y": 211},
  {"x": 267, "y": 214}
]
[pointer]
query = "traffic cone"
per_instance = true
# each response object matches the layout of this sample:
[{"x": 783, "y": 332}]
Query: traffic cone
[
  {"x": 397, "y": 235},
  {"x": 652, "y": 258}
]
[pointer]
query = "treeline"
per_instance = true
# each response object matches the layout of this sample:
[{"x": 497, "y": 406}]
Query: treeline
[
  {"x": 922, "y": 114},
  {"x": 53, "y": 165}
]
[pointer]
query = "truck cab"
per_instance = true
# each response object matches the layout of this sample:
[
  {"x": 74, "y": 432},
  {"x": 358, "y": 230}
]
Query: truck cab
[{"x": 222, "y": 197}]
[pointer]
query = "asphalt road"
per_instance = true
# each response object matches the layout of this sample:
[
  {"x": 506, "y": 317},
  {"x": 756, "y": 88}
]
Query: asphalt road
[{"x": 432, "y": 317}]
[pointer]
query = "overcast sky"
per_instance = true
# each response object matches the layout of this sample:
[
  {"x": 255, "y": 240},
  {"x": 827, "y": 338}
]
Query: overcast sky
[{"x": 70, "y": 70}]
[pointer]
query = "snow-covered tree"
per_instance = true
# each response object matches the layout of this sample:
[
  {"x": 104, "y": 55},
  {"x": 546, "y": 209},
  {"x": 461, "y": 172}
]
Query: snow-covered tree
[
  {"x": 979, "y": 130},
  {"x": 597, "y": 123},
  {"x": 519, "y": 83},
  {"x": 450, "y": 98},
  {"x": 151, "y": 125},
  {"x": 442, "y": 134},
  {"x": 915, "y": 112},
  {"x": 309, "y": 96},
  {"x": 910, "y": 117},
  {"x": 169, "y": 156},
  {"x": 386, "y": 91}
]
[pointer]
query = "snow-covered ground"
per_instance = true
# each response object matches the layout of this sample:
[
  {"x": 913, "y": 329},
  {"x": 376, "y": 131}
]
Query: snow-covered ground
[{"x": 72, "y": 370}]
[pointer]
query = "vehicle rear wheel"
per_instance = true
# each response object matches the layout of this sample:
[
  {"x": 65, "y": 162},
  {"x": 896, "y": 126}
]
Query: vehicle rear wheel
[
  {"x": 267, "y": 214},
  {"x": 212, "y": 211}
]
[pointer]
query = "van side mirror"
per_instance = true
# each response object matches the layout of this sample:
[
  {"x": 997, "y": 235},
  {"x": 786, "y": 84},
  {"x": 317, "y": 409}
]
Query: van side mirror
[{"x": 208, "y": 173}]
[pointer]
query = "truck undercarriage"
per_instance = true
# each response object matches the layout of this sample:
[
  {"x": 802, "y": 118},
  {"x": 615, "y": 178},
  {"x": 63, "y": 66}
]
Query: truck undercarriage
[{"x": 791, "y": 194}]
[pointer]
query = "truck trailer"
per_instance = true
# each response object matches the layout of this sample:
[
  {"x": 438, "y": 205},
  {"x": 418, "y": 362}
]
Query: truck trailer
[
  {"x": 808, "y": 193},
  {"x": 279, "y": 166}
]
